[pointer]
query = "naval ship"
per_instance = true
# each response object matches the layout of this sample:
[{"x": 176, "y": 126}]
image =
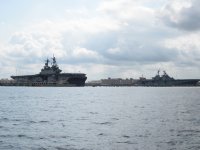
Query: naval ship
[
  {"x": 166, "y": 80},
  {"x": 50, "y": 76}
]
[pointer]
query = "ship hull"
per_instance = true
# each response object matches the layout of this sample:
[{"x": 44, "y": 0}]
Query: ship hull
[
  {"x": 60, "y": 80},
  {"x": 183, "y": 82}
]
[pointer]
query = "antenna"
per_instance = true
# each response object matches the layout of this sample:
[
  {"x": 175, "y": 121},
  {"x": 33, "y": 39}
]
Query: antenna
[{"x": 158, "y": 71}]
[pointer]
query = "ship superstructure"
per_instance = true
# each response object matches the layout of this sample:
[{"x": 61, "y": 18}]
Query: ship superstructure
[{"x": 51, "y": 76}]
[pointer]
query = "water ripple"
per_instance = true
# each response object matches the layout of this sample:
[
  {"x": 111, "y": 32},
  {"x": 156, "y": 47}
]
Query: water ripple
[{"x": 99, "y": 118}]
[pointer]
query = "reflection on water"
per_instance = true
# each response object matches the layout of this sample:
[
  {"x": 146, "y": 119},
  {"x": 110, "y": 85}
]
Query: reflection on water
[{"x": 100, "y": 118}]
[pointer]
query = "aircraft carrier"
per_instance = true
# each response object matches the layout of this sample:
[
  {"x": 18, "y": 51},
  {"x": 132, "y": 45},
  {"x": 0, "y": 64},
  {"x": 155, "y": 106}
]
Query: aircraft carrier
[
  {"x": 50, "y": 76},
  {"x": 166, "y": 80}
]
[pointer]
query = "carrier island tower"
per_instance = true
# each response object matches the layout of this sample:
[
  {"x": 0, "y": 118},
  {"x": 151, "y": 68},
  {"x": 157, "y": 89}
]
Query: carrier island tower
[{"x": 50, "y": 76}]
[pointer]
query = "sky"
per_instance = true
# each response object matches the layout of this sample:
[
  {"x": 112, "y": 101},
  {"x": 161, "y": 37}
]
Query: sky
[{"x": 102, "y": 38}]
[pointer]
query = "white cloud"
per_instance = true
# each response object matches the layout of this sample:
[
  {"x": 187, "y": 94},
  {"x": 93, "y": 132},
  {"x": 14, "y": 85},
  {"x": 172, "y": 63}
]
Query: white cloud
[
  {"x": 185, "y": 43},
  {"x": 84, "y": 53},
  {"x": 34, "y": 45},
  {"x": 188, "y": 47},
  {"x": 127, "y": 10},
  {"x": 79, "y": 25},
  {"x": 182, "y": 14},
  {"x": 114, "y": 50}
]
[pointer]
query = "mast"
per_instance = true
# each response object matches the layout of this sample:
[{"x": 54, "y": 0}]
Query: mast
[
  {"x": 55, "y": 67},
  {"x": 158, "y": 72},
  {"x": 47, "y": 63},
  {"x": 54, "y": 61}
]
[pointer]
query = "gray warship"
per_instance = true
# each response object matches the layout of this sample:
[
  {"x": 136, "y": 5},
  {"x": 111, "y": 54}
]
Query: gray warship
[
  {"x": 50, "y": 76},
  {"x": 166, "y": 80}
]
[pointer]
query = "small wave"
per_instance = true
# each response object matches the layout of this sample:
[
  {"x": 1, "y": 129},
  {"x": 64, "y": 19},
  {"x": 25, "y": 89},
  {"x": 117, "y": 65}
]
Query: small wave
[
  {"x": 12, "y": 97},
  {"x": 142, "y": 136},
  {"x": 43, "y": 121},
  {"x": 185, "y": 112},
  {"x": 115, "y": 118},
  {"x": 17, "y": 120},
  {"x": 83, "y": 118},
  {"x": 31, "y": 122},
  {"x": 63, "y": 125},
  {"x": 41, "y": 148},
  {"x": 94, "y": 113},
  {"x": 6, "y": 136},
  {"x": 61, "y": 120},
  {"x": 25, "y": 136},
  {"x": 4, "y": 119},
  {"x": 61, "y": 148},
  {"x": 127, "y": 142},
  {"x": 126, "y": 136},
  {"x": 103, "y": 123},
  {"x": 64, "y": 148},
  {"x": 64, "y": 137},
  {"x": 188, "y": 133},
  {"x": 101, "y": 134},
  {"x": 196, "y": 147},
  {"x": 106, "y": 123},
  {"x": 171, "y": 130},
  {"x": 8, "y": 147},
  {"x": 15, "y": 124},
  {"x": 172, "y": 143},
  {"x": 192, "y": 131},
  {"x": 60, "y": 136},
  {"x": 21, "y": 135}
]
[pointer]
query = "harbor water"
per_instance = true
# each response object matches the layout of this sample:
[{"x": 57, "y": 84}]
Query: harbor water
[{"x": 100, "y": 118}]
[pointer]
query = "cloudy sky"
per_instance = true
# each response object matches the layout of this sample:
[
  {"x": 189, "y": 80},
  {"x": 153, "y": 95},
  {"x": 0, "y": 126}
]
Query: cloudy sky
[{"x": 102, "y": 38}]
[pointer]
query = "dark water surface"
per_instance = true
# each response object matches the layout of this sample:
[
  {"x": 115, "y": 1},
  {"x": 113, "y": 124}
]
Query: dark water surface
[{"x": 100, "y": 118}]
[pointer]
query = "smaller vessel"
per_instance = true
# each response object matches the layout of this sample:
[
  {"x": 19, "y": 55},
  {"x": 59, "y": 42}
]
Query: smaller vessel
[
  {"x": 166, "y": 80},
  {"x": 50, "y": 76}
]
